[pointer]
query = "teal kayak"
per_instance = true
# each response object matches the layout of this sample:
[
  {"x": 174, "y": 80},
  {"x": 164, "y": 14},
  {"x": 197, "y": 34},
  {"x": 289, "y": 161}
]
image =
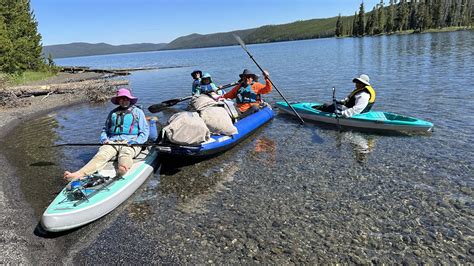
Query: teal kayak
[
  {"x": 373, "y": 120},
  {"x": 82, "y": 202}
]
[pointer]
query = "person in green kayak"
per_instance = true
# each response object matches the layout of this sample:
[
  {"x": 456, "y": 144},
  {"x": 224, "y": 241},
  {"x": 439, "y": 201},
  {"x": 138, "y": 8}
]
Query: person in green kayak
[
  {"x": 125, "y": 124},
  {"x": 360, "y": 100}
]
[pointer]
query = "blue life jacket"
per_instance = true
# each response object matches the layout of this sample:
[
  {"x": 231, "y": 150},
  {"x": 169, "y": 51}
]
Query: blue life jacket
[
  {"x": 195, "y": 86},
  {"x": 247, "y": 95},
  {"x": 205, "y": 88},
  {"x": 123, "y": 121}
]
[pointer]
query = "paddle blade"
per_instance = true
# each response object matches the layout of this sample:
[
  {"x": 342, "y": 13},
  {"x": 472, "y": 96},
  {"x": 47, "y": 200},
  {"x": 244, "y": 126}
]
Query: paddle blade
[
  {"x": 155, "y": 108},
  {"x": 239, "y": 40}
]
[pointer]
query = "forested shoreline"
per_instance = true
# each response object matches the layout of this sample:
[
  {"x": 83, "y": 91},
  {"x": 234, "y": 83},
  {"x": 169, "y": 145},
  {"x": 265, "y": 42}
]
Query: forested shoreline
[{"x": 404, "y": 15}]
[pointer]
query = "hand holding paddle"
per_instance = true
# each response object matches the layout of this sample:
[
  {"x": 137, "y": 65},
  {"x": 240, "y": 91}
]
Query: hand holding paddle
[{"x": 242, "y": 44}]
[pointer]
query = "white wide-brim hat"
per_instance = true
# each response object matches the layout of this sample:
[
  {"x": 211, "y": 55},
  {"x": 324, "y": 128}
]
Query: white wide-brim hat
[{"x": 362, "y": 79}]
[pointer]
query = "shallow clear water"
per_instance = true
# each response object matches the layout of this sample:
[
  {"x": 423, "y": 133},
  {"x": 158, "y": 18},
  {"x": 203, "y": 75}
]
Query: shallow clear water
[{"x": 290, "y": 193}]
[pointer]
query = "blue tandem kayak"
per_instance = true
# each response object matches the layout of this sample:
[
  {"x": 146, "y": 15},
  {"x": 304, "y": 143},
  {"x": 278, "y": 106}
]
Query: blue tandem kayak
[
  {"x": 219, "y": 143},
  {"x": 373, "y": 120}
]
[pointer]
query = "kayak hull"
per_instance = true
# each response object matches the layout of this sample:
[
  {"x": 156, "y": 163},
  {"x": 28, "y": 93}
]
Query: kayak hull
[
  {"x": 65, "y": 213},
  {"x": 220, "y": 143},
  {"x": 373, "y": 120}
]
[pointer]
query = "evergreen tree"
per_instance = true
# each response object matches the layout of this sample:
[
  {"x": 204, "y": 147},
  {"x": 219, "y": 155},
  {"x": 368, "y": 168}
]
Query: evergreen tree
[
  {"x": 390, "y": 24},
  {"x": 339, "y": 27},
  {"x": 5, "y": 48},
  {"x": 436, "y": 15},
  {"x": 370, "y": 25},
  {"x": 354, "y": 25},
  {"x": 22, "y": 32},
  {"x": 451, "y": 16},
  {"x": 465, "y": 13},
  {"x": 412, "y": 11},
  {"x": 381, "y": 18},
  {"x": 361, "y": 20},
  {"x": 401, "y": 21}
]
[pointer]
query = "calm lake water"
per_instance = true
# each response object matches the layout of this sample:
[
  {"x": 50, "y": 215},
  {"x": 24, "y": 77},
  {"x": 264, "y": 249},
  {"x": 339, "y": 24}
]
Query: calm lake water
[{"x": 290, "y": 193}]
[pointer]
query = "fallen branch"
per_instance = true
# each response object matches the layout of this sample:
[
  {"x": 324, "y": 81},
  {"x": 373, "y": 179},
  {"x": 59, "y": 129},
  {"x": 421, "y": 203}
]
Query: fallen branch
[{"x": 26, "y": 91}]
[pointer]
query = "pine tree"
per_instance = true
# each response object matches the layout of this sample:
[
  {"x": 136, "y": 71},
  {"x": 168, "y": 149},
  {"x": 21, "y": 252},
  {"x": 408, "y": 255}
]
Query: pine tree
[
  {"x": 354, "y": 25},
  {"x": 5, "y": 48},
  {"x": 436, "y": 15},
  {"x": 412, "y": 11},
  {"x": 22, "y": 32},
  {"x": 401, "y": 21},
  {"x": 370, "y": 25},
  {"x": 465, "y": 13},
  {"x": 390, "y": 24},
  {"x": 361, "y": 20},
  {"x": 381, "y": 18},
  {"x": 451, "y": 16},
  {"x": 339, "y": 27}
]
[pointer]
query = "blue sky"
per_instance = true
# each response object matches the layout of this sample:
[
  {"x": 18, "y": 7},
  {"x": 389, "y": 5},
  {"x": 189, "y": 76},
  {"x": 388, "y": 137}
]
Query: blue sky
[{"x": 157, "y": 21}]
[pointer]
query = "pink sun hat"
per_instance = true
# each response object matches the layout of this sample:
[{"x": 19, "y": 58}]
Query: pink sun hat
[{"x": 123, "y": 92}]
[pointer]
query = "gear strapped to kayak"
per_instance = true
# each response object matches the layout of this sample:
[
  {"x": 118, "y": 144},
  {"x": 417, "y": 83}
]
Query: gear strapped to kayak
[{"x": 82, "y": 190}]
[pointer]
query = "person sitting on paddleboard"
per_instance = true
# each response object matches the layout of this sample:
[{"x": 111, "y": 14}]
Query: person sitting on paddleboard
[
  {"x": 360, "y": 100},
  {"x": 248, "y": 92},
  {"x": 125, "y": 124},
  {"x": 196, "y": 74}
]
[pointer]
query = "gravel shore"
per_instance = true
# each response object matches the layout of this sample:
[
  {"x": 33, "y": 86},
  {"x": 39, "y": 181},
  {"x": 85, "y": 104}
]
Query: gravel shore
[{"x": 18, "y": 243}]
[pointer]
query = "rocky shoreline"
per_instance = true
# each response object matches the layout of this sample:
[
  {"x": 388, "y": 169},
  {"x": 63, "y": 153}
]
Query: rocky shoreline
[{"x": 18, "y": 243}]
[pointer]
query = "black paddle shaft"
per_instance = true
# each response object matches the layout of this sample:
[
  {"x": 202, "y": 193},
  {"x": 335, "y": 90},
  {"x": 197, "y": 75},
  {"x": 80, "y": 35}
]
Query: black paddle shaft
[
  {"x": 155, "y": 108},
  {"x": 242, "y": 44}
]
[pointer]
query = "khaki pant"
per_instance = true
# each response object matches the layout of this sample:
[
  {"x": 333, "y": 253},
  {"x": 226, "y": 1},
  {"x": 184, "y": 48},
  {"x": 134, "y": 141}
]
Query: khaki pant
[{"x": 125, "y": 155}]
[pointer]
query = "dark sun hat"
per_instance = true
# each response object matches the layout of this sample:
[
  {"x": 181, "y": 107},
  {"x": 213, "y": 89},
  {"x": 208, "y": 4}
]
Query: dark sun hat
[{"x": 248, "y": 73}]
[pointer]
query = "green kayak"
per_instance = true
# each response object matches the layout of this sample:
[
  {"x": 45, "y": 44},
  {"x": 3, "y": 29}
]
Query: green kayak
[{"x": 373, "y": 120}]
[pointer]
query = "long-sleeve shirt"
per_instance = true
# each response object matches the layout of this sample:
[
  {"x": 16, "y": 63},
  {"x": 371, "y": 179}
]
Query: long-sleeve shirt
[
  {"x": 140, "y": 138},
  {"x": 361, "y": 101},
  {"x": 257, "y": 87}
]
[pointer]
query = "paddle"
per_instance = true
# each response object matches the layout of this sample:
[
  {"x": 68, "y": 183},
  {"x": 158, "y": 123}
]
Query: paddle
[
  {"x": 335, "y": 107},
  {"x": 251, "y": 57},
  {"x": 98, "y": 144},
  {"x": 155, "y": 108}
]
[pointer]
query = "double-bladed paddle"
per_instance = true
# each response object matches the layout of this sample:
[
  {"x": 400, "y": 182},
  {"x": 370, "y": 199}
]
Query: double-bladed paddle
[
  {"x": 242, "y": 44},
  {"x": 155, "y": 108}
]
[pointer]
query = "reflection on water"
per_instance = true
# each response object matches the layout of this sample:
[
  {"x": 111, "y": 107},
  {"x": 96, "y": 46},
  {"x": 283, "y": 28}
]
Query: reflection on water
[
  {"x": 362, "y": 144},
  {"x": 264, "y": 151}
]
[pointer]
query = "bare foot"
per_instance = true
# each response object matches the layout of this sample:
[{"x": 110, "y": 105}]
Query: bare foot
[
  {"x": 122, "y": 170},
  {"x": 73, "y": 176}
]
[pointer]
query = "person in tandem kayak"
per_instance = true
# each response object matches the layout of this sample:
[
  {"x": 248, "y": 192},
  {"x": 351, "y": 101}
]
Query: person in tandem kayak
[
  {"x": 248, "y": 92},
  {"x": 360, "y": 100},
  {"x": 125, "y": 124},
  {"x": 206, "y": 86},
  {"x": 196, "y": 74}
]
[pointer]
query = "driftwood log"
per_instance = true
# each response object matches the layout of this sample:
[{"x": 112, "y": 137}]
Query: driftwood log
[{"x": 27, "y": 91}]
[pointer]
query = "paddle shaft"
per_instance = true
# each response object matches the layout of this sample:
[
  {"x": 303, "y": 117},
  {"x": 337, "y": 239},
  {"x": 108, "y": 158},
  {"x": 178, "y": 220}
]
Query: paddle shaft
[
  {"x": 98, "y": 144},
  {"x": 335, "y": 107},
  {"x": 168, "y": 103},
  {"x": 242, "y": 44}
]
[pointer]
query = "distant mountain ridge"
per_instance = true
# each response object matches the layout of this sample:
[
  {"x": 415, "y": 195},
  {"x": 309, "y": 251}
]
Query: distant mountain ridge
[
  {"x": 299, "y": 30},
  {"x": 86, "y": 49}
]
